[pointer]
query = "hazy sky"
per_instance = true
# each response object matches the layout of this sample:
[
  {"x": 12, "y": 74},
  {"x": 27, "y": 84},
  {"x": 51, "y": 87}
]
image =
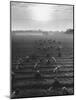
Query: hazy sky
[{"x": 32, "y": 16}]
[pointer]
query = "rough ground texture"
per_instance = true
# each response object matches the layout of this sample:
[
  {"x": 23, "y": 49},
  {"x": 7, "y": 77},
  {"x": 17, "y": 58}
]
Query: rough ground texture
[{"x": 26, "y": 82}]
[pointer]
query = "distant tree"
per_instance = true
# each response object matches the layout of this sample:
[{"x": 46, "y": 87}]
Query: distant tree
[{"x": 69, "y": 31}]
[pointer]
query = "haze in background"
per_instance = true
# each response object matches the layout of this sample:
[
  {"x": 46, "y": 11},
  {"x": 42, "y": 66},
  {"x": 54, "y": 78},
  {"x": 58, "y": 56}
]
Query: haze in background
[{"x": 46, "y": 17}]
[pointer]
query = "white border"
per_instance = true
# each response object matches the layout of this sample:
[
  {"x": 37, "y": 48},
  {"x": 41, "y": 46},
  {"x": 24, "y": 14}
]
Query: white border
[{"x": 5, "y": 48}]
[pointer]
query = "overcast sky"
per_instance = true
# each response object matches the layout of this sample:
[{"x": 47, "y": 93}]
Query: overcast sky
[{"x": 32, "y": 16}]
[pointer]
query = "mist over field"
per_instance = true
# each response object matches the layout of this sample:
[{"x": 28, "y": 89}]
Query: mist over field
[{"x": 56, "y": 35}]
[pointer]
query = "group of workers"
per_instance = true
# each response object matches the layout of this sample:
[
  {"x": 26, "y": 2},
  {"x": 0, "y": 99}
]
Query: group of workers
[
  {"x": 46, "y": 60},
  {"x": 45, "y": 46}
]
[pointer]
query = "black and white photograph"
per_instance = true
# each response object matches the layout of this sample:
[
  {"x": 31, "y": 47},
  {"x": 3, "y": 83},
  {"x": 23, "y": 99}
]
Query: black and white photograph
[{"x": 42, "y": 49}]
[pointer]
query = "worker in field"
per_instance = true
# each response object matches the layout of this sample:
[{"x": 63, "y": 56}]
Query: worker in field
[
  {"x": 59, "y": 51},
  {"x": 55, "y": 86},
  {"x": 65, "y": 90},
  {"x": 53, "y": 61},
  {"x": 19, "y": 63},
  {"x": 15, "y": 93},
  {"x": 37, "y": 64},
  {"x": 50, "y": 60},
  {"x": 27, "y": 58},
  {"x": 56, "y": 69},
  {"x": 22, "y": 61},
  {"x": 37, "y": 74},
  {"x": 13, "y": 77},
  {"x": 36, "y": 69},
  {"x": 59, "y": 47}
]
